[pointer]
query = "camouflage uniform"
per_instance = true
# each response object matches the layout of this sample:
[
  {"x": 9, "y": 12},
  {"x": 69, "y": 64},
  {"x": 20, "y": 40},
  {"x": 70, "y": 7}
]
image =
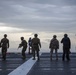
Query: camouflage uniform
[
  {"x": 4, "y": 45},
  {"x": 35, "y": 46},
  {"x": 24, "y": 45},
  {"x": 54, "y": 45}
]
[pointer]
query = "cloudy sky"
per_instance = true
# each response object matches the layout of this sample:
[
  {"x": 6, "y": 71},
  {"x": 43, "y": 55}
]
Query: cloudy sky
[{"x": 45, "y": 17}]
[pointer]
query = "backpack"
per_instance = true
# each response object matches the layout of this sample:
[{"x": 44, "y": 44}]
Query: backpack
[{"x": 54, "y": 44}]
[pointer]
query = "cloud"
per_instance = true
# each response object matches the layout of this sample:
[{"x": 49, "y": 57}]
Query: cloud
[
  {"x": 2, "y": 24},
  {"x": 9, "y": 29},
  {"x": 4, "y": 28},
  {"x": 45, "y": 17},
  {"x": 39, "y": 15}
]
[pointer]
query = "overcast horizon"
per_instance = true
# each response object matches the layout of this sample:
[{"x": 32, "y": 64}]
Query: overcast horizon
[{"x": 45, "y": 17}]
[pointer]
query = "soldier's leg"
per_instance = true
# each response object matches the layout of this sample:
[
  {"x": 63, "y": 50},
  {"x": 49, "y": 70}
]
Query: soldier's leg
[
  {"x": 33, "y": 54},
  {"x": 5, "y": 51},
  {"x": 56, "y": 54},
  {"x": 63, "y": 56},
  {"x": 67, "y": 54},
  {"x": 23, "y": 53},
  {"x": 2, "y": 53},
  {"x": 51, "y": 52},
  {"x": 38, "y": 54}
]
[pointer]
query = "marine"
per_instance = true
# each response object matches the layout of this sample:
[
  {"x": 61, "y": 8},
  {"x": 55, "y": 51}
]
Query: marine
[
  {"x": 36, "y": 45},
  {"x": 4, "y": 45},
  {"x": 24, "y": 45}
]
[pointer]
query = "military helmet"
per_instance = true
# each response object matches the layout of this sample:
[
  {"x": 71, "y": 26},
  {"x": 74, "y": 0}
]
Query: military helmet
[
  {"x": 54, "y": 36},
  {"x": 22, "y": 38},
  {"x": 35, "y": 35},
  {"x": 65, "y": 35},
  {"x": 5, "y": 35}
]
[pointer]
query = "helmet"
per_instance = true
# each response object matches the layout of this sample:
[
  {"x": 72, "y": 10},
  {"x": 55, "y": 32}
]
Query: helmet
[
  {"x": 22, "y": 38},
  {"x": 65, "y": 35},
  {"x": 54, "y": 36},
  {"x": 30, "y": 38},
  {"x": 35, "y": 35},
  {"x": 5, "y": 35}
]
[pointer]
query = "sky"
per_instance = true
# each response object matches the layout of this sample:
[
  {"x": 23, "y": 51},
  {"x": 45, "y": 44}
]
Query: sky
[{"x": 45, "y": 17}]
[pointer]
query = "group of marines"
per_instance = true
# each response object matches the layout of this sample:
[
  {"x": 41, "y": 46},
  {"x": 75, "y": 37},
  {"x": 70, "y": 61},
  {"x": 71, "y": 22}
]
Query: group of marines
[{"x": 35, "y": 45}]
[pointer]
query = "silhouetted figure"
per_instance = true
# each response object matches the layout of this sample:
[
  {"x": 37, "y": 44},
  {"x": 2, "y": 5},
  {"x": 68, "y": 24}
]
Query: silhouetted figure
[
  {"x": 66, "y": 47},
  {"x": 35, "y": 46},
  {"x": 4, "y": 45},
  {"x": 30, "y": 45},
  {"x": 54, "y": 45},
  {"x": 0, "y": 44},
  {"x": 24, "y": 45}
]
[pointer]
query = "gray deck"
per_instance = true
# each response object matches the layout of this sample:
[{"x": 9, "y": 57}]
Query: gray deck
[
  {"x": 47, "y": 67},
  {"x": 13, "y": 61},
  {"x": 43, "y": 67}
]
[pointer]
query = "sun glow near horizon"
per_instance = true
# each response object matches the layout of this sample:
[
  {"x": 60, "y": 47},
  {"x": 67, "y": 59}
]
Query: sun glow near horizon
[
  {"x": 9, "y": 29},
  {"x": 14, "y": 35}
]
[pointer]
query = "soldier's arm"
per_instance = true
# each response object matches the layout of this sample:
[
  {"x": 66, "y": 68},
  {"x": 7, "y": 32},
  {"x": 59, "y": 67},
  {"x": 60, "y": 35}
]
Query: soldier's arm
[
  {"x": 1, "y": 41},
  {"x": 26, "y": 44},
  {"x": 62, "y": 41},
  {"x": 8, "y": 43},
  {"x": 39, "y": 43},
  {"x": 58, "y": 44},
  {"x": 19, "y": 46},
  {"x": 69, "y": 43}
]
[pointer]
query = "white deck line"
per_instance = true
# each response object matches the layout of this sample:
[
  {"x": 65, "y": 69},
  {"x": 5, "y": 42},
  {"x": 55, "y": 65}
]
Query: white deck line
[{"x": 24, "y": 68}]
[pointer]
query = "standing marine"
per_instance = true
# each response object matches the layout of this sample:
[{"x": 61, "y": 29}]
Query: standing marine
[
  {"x": 36, "y": 45},
  {"x": 4, "y": 45},
  {"x": 66, "y": 47},
  {"x": 30, "y": 45},
  {"x": 54, "y": 45}
]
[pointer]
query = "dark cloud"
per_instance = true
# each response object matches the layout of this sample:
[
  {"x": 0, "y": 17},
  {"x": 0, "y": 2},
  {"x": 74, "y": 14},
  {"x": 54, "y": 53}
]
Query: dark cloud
[{"x": 39, "y": 15}]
